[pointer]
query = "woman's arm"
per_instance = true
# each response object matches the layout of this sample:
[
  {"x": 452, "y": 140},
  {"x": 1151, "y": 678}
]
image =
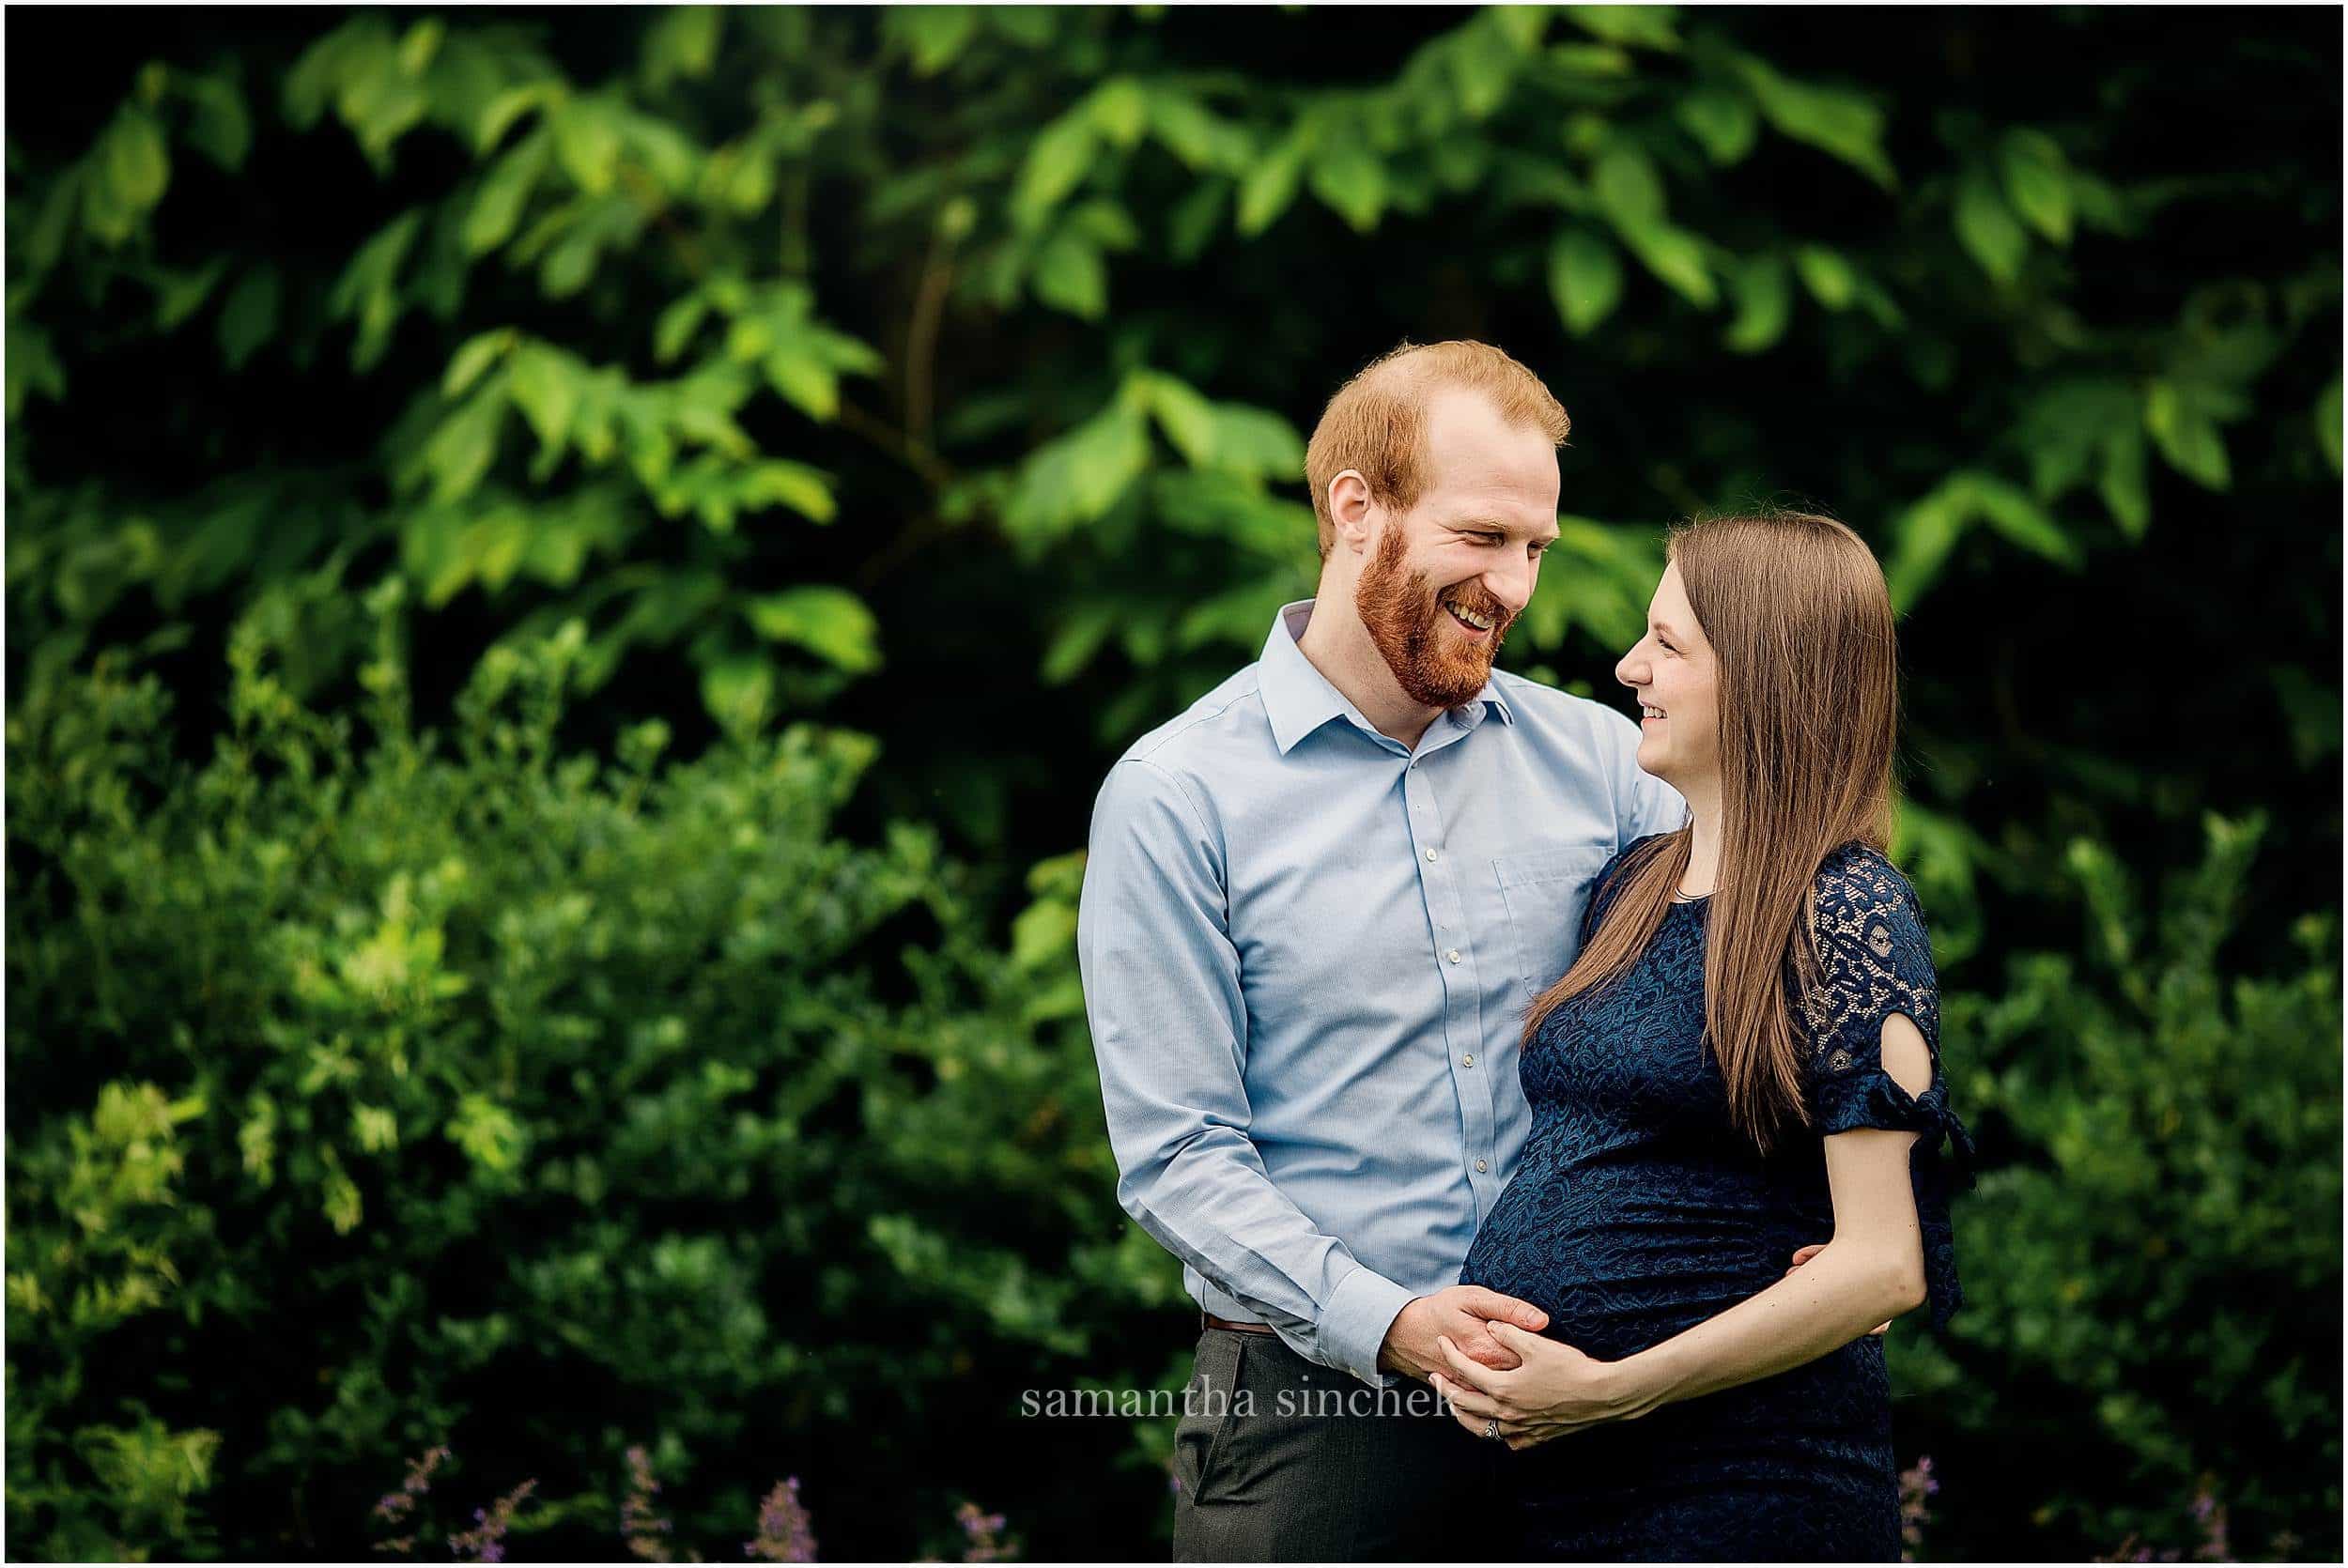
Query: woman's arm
[{"x": 1872, "y": 1269}]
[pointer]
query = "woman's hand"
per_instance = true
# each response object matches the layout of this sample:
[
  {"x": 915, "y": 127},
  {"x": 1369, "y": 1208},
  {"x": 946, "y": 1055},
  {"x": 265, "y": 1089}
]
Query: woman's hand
[{"x": 1557, "y": 1390}]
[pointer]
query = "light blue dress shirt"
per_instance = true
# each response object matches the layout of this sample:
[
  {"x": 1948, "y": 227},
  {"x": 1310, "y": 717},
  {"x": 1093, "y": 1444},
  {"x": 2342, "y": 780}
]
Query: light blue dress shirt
[{"x": 1306, "y": 952}]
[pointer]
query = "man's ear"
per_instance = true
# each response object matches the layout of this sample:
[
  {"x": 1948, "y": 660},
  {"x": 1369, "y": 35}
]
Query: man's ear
[{"x": 1349, "y": 507}]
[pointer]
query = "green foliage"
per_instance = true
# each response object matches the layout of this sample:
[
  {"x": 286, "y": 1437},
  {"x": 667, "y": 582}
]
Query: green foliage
[
  {"x": 2164, "y": 1267},
  {"x": 806, "y": 386},
  {"x": 495, "y": 1049}
]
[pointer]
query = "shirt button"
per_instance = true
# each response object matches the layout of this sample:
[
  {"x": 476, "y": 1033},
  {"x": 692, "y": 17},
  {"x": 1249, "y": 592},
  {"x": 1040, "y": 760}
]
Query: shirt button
[
  {"x": 1430, "y": 854},
  {"x": 1480, "y": 1164},
  {"x": 1467, "y": 1061},
  {"x": 1453, "y": 955}
]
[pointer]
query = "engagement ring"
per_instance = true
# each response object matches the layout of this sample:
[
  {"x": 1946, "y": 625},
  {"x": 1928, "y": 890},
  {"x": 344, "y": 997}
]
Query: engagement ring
[{"x": 1492, "y": 1426}]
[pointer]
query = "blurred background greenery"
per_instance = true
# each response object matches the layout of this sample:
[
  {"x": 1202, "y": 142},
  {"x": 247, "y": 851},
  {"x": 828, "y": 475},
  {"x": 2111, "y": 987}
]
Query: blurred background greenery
[{"x": 571, "y": 576}]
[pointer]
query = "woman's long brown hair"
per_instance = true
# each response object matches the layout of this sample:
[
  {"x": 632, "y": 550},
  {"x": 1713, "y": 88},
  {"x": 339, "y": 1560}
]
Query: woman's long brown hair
[{"x": 1807, "y": 693}]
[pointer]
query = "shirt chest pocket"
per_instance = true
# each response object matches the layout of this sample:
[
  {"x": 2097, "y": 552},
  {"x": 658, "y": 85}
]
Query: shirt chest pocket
[{"x": 1543, "y": 892}]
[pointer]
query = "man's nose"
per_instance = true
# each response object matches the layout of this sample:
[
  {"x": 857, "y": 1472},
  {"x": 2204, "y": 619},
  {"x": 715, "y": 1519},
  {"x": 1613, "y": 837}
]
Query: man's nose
[{"x": 1511, "y": 585}]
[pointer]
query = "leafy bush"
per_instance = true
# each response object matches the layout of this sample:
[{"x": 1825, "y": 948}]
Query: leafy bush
[
  {"x": 2152, "y": 1275},
  {"x": 942, "y": 371},
  {"x": 365, "y": 1094}
]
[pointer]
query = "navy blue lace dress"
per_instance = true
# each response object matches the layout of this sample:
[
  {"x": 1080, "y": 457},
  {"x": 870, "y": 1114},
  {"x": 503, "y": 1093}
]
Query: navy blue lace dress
[{"x": 1638, "y": 1211}]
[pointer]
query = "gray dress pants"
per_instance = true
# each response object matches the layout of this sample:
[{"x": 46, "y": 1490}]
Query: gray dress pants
[{"x": 1280, "y": 1459}]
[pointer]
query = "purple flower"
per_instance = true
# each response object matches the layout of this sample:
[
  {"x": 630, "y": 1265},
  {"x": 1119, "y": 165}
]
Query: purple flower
[
  {"x": 1916, "y": 1485},
  {"x": 983, "y": 1532},
  {"x": 785, "y": 1533},
  {"x": 487, "y": 1543},
  {"x": 638, "y": 1526}
]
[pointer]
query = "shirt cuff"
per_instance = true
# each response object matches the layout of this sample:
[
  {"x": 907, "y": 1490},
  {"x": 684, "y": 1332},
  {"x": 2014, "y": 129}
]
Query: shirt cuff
[{"x": 1353, "y": 1324}]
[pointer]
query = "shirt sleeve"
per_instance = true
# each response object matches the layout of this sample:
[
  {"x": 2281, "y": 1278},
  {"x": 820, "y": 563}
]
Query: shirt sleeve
[
  {"x": 1170, "y": 1029},
  {"x": 1876, "y": 960}
]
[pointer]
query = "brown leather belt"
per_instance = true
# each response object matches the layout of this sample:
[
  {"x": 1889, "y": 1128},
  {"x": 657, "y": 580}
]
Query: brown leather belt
[{"x": 1214, "y": 1322}]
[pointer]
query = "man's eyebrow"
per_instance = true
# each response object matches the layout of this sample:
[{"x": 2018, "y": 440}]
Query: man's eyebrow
[{"x": 1549, "y": 538}]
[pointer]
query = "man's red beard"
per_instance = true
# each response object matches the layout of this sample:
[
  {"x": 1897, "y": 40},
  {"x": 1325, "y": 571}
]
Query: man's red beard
[{"x": 1405, "y": 621}]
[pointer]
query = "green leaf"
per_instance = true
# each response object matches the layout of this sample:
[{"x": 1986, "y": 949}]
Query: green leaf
[
  {"x": 1188, "y": 418},
  {"x": 1921, "y": 536},
  {"x": 1763, "y": 296},
  {"x": 1266, "y": 190},
  {"x": 136, "y": 169},
  {"x": 1186, "y": 128},
  {"x": 1352, "y": 182},
  {"x": 587, "y": 144},
  {"x": 933, "y": 36},
  {"x": 1078, "y": 637},
  {"x": 1078, "y": 477},
  {"x": 460, "y": 449},
  {"x": 1483, "y": 70},
  {"x": 1191, "y": 226},
  {"x": 1121, "y": 111},
  {"x": 2038, "y": 182},
  {"x": 475, "y": 355},
  {"x": 803, "y": 381},
  {"x": 1105, "y": 455},
  {"x": 497, "y": 204},
  {"x": 499, "y": 113},
  {"x": 1645, "y": 26},
  {"x": 1042, "y": 934},
  {"x": 739, "y": 691},
  {"x": 2014, "y": 516},
  {"x": 46, "y": 239},
  {"x": 779, "y": 482},
  {"x": 1677, "y": 257},
  {"x": 250, "y": 315},
  {"x": 849, "y": 356},
  {"x": 1070, "y": 275},
  {"x": 1520, "y": 26},
  {"x": 2327, "y": 423},
  {"x": 1826, "y": 275},
  {"x": 219, "y": 125},
  {"x": 1585, "y": 279},
  {"x": 2188, "y": 436},
  {"x": 1057, "y": 160},
  {"x": 1256, "y": 444},
  {"x": 1723, "y": 123},
  {"x": 1629, "y": 187},
  {"x": 1846, "y": 125},
  {"x": 677, "y": 324},
  {"x": 545, "y": 390},
  {"x": 2122, "y": 484},
  {"x": 830, "y": 623},
  {"x": 420, "y": 43},
  {"x": 681, "y": 45},
  {"x": 180, "y": 295},
  {"x": 32, "y": 365},
  {"x": 1987, "y": 227}
]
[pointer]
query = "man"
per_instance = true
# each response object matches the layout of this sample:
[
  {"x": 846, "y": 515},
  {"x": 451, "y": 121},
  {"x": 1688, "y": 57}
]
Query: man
[{"x": 1315, "y": 905}]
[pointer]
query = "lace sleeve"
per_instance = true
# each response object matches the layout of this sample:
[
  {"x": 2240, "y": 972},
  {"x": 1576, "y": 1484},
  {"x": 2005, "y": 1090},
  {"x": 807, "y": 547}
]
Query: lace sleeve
[{"x": 1876, "y": 959}]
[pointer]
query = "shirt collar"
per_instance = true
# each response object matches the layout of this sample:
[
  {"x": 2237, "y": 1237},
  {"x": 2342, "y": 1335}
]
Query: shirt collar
[{"x": 1298, "y": 699}]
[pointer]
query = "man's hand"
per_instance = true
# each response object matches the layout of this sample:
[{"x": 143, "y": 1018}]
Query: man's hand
[
  {"x": 1812, "y": 1250},
  {"x": 1412, "y": 1343}
]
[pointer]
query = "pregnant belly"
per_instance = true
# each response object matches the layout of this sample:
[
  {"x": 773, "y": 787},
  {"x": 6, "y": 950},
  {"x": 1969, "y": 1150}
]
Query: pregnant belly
[{"x": 1625, "y": 1257}]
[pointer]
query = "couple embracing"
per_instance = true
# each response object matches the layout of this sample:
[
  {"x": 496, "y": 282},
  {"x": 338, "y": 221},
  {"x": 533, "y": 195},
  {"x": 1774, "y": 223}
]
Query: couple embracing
[{"x": 1468, "y": 1039}]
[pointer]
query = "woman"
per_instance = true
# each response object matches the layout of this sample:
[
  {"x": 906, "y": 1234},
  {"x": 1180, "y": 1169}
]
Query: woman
[{"x": 1743, "y": 1057}]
